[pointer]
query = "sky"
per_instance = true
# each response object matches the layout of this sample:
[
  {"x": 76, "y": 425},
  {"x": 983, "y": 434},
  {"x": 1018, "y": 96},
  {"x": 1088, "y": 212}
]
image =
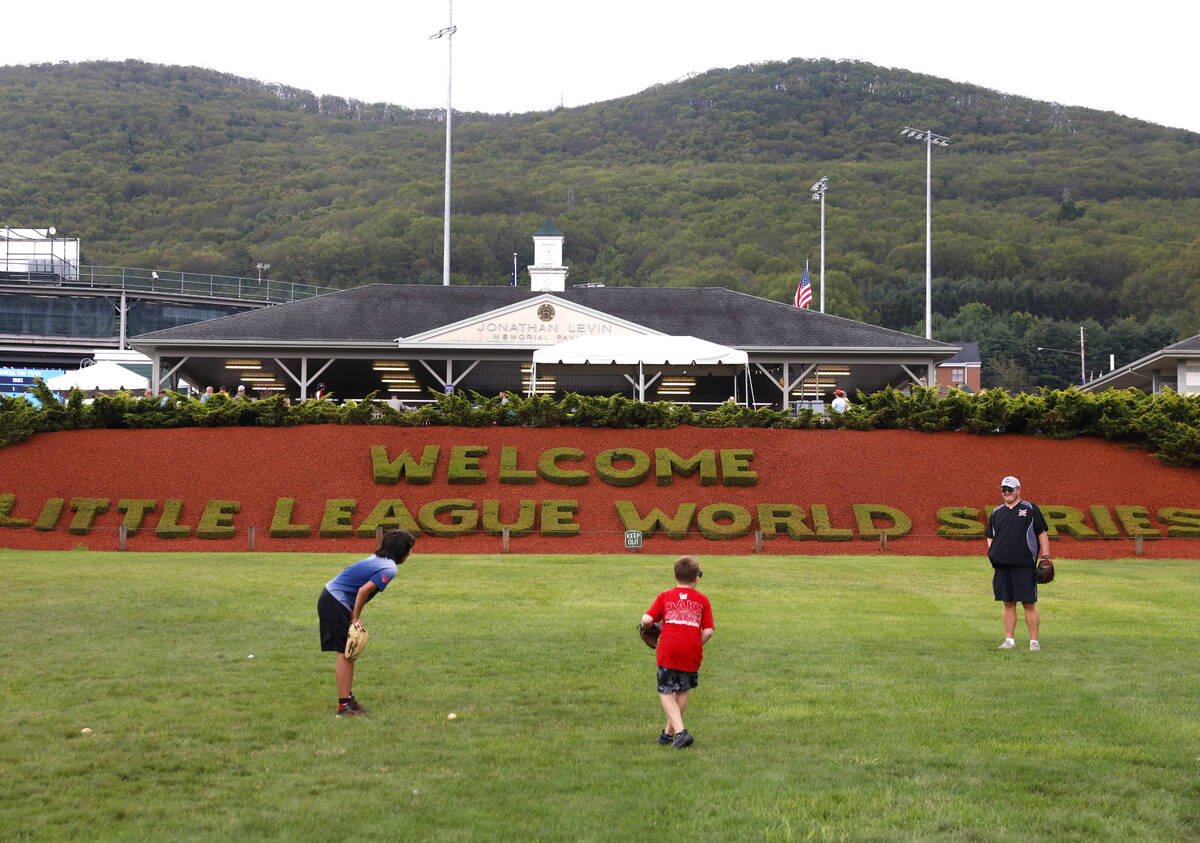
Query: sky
[{"x": 520, "y": 55}]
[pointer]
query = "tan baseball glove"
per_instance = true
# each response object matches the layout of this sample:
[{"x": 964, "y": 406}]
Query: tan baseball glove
[{"x": 356, "y": 640}]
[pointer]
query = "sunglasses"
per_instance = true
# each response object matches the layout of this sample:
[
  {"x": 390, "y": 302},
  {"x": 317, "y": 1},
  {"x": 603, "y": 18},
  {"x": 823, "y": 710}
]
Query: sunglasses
[{"x": 1007, "y": 489}]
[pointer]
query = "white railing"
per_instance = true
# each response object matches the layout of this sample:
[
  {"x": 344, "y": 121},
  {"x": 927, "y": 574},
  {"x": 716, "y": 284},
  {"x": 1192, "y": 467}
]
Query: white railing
[{"x": 168, "y": 281}]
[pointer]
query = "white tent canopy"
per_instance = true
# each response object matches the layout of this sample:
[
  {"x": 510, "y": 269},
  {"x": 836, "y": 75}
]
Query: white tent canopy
[
  {"x": 653, "y": 350},
  {"x": 636, "y": 353},
  {"x": 104, "y": 375}
]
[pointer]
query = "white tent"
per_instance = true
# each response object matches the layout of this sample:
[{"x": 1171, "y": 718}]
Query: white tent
[
  {"x": 105, "y": 376},
  {"x": 636, "y": 353},
  {"x": 654, "y": 350}
]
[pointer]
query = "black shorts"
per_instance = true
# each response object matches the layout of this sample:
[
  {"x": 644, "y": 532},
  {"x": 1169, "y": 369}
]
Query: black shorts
[
  {"x": 335, "y": 622},
  {"x": 672, "y": 681},
  {"x": 1014, "y": 584}
]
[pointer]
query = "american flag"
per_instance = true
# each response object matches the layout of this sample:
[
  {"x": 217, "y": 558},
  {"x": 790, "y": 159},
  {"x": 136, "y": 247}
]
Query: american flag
[{"x": 804, "y": 291}]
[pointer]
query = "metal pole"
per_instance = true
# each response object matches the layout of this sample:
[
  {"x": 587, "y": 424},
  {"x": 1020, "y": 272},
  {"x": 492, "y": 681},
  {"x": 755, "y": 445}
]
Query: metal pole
[
  {"x": 121, "y": 339},
  {"x": 1082, "y": 364},
  {"x": 822, "y": 251},
  {"x": 929, "y": 235},
  {"x": 818, "y": 193},
  {"x": 449, "y": 81}
]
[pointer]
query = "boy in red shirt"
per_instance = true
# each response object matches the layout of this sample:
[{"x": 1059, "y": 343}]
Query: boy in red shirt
[{"x": 687, "y": 624}]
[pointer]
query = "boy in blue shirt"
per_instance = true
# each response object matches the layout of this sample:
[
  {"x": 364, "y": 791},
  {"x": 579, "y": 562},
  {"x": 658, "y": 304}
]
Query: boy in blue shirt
[{"x": 343, "y": 600}]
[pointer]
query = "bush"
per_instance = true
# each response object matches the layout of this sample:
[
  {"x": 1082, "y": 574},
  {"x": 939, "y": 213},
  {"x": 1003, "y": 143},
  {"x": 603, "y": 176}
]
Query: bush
[
  {"x": 18, "y": 420},
  {"x": 1167, "y": 424}
]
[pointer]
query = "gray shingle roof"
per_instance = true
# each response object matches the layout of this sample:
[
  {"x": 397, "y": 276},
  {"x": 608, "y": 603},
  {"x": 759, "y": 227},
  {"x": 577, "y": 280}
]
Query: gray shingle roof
[
  {"x": 968, "y": 353},
  {"x": 1190, "y": 344},
  {"x": 379, "y": 313}
]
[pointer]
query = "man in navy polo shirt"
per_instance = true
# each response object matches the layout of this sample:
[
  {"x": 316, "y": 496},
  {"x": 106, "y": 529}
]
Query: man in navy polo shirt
[{"x": 1016, "y": 537}]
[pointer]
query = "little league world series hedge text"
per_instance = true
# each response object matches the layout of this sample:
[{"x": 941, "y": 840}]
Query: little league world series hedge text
[{"x": 579, "y": 491}]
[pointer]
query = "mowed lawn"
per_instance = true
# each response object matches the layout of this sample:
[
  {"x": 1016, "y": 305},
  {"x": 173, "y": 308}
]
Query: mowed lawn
[{"x": 852, "y": 697}]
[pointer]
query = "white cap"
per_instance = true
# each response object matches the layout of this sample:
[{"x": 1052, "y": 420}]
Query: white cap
[{"x": 1011, "y": 481}]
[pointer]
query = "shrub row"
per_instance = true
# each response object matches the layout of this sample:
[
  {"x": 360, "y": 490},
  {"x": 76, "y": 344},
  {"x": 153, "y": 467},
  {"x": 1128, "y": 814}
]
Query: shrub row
[{"x": 1167, "y": 424}]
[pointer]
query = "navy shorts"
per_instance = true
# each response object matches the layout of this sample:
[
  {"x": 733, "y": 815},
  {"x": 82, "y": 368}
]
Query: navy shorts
[
  {"x": 1013, "y": 584},
  {"x": 671, "y": 681},
  {"x": 335, "y": 622}
]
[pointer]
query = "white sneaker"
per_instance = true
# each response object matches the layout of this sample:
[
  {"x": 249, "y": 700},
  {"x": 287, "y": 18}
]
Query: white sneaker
[
  {"x": 1033, "y": 645},
  {"x": 1007, "y": 645}
]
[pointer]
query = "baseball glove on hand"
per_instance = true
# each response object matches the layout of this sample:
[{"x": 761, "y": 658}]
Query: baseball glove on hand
[
  {"x": 356, "y": 640},
  {"x": 650, "y": 634},
  {"x": 1045, "y": 570}
]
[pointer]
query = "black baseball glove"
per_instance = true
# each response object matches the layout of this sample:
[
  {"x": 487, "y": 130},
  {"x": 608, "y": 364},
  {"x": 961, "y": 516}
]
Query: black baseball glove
[
  {"x": 649, "y": 634},
  {"x": 1045, "y": 570}
]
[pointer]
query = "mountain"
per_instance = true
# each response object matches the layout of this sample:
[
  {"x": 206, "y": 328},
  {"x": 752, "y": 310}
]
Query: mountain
[{"x": 1045, "y": 216}]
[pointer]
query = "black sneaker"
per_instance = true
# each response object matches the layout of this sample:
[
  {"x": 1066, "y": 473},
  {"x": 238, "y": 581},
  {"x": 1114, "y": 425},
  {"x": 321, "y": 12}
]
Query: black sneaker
[
  {"x": 358, "y": 708},
  {"x": 665, "y": 739},
  {"x": 682, "y": 739},
  {"x": 348, "y": 710}
]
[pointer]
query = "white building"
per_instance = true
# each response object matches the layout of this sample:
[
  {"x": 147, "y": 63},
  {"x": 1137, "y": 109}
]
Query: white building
[{"x": 38, "y": 253}]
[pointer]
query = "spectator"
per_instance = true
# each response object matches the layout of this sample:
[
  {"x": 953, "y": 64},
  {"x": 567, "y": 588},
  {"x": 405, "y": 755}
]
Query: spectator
[
  {"x": 1016, "y": 535},
  {"x": 840, "y": 404}
]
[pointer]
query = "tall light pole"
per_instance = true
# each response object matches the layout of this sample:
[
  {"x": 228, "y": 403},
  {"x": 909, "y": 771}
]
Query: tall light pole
[
  {"x": 930, "y": 140},
  {"x": 818, "y": 194},
  {"x": 448, "y": 34}
]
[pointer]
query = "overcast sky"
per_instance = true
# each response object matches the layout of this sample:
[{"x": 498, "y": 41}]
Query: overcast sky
[{"x": 1136, "y": 59}]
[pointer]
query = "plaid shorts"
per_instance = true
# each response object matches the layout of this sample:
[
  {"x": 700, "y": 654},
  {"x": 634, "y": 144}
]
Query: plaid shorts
[{"x": 671, "y": 681}]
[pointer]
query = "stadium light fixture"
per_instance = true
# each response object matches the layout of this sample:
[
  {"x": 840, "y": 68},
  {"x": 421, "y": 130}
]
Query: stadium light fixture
[
  {"x": 818, "y": 194},
  {"x": 930, "y": 139}
]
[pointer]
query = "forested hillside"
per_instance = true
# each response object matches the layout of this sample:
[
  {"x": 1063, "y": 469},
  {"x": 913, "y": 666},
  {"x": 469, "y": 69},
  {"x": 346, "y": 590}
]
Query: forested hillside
[{"x": 1046, "y": 216}]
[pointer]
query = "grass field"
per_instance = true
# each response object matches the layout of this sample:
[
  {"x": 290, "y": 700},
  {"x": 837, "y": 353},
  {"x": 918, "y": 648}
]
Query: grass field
[{"x": 858, "y": 698}]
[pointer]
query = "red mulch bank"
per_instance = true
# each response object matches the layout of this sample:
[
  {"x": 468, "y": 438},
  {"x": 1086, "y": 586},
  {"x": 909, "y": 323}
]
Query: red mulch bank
[{"x": 818, "y": 474}]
